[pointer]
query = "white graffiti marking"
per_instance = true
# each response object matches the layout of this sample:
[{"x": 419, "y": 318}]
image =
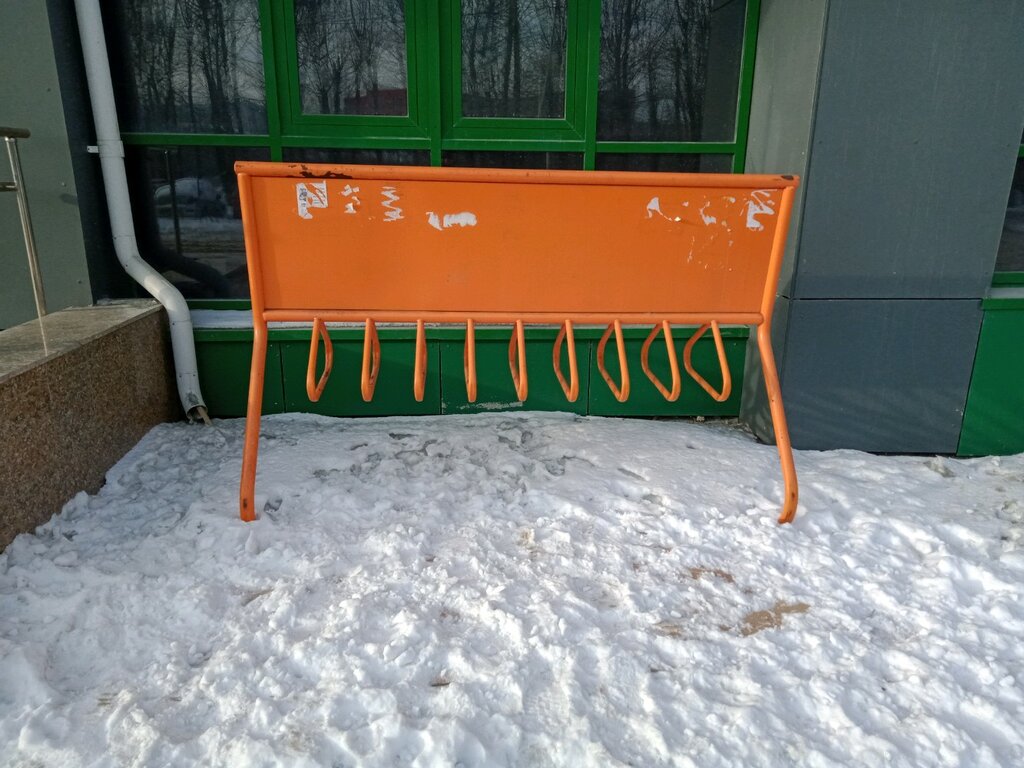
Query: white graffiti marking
[
  {"x": 464, "y": 219},
  {"x": 760, "y": 204},
  {"x": 707, "y": 217},
  {"x": 393, "y": 212},
  {"x": 310, "y": 195},
  {"x": 654, "y": 207},
  {"x": 351, "y": 205}
]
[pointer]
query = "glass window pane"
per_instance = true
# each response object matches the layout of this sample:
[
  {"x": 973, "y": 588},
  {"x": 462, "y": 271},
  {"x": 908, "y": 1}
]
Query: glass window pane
[
  {"x": 187, "y": 220},
  {"x": 352, "y": 57},
  {"x": 357, "y": 156},
  {"x": 571, "y": 161},
  {"x": 1011, "y": 245},
  {"x": 669, "y": 69},
  {"x": 194, "y": 67},
  {"x": 668, "y": 163},
  {"x": 513, "y": 58}
]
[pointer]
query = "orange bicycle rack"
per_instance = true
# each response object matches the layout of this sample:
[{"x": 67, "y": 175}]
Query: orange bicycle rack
[{"x": 431, "y": 245}]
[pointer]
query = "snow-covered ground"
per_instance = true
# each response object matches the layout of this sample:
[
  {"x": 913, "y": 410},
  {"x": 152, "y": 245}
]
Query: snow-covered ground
[{"x": 517, "y": 590}]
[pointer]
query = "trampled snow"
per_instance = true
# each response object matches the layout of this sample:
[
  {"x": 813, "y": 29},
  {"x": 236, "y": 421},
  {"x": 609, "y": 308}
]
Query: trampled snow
[{"x": 517, "y": 590}]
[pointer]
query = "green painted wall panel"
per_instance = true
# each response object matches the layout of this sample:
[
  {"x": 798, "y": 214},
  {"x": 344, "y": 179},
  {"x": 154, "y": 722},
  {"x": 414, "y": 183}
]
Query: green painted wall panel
[
  {"x": 224, "y": 376},
  {"x": 342, "y": 396},
  {"x": 224, "y": 355},
  {"x": 495, "y": 390},
  {"x": 646, "y": 400},
  {"x": 994, "y": 416}
]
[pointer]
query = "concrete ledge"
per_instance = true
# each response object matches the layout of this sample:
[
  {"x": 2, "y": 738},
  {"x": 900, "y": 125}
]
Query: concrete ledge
[{"x": 77, "y": 391}]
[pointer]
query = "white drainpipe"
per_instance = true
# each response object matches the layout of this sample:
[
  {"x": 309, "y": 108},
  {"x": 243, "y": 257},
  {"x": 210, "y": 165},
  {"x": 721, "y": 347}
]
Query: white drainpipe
[{"x": 111, "y": 152}]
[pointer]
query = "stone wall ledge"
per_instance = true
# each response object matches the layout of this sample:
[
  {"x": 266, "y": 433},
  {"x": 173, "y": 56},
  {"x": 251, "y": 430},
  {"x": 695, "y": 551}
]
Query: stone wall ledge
[{"x": 77, "y": 390}]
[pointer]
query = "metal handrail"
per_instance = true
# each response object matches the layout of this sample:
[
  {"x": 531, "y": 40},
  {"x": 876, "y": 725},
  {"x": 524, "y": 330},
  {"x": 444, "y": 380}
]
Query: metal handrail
[{"x": 17, "y": 185}]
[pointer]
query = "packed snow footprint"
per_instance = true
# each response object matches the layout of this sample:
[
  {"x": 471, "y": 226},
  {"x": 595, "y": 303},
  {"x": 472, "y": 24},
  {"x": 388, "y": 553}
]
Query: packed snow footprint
[{"x": 517, "y": 590}]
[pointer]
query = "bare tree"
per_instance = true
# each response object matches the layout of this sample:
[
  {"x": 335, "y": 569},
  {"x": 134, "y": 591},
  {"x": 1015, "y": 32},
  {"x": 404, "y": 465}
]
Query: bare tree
[{"x": 654, "y": 57}]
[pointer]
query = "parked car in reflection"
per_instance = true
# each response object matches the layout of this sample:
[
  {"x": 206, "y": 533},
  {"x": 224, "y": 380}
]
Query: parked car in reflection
[{"x": 194, "y": 197}]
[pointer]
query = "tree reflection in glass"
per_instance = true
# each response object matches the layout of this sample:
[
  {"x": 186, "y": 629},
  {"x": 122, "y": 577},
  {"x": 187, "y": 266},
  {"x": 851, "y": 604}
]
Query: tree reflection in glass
[
  {"x": 669, "y": 69},
  {"x": 352, "y": 58},
  {"x": 513, "y": 58},
  {"x": 188, "y": 65}
]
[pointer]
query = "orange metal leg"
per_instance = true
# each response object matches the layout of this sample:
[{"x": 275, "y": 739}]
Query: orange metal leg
[
  {"x": 722, "y": 362},
  {"x": 621, "y": 392},
  {"x": 670, "y": 347},
  {"x": 771, "y": 384},
  {"x": 315, "y": 388},
  {"x": 572, "y": 387},
  {"x": 517, "y": 360},
  {"x": 419, "y": 375},
  {"x": 469, "y": 361},
  {"x": 247, "y": 492},
  {"x": 371, "y": 360}
]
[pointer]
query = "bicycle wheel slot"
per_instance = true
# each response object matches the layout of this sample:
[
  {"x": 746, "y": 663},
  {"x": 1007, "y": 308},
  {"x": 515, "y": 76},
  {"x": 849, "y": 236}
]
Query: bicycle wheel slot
[
  {"x": 315, "y": 388},
  {"x": 371, "y": 360},
  {"x": 572, "y": 387},
  {"x": 669, "y": 394},
  {"x": 621, "y": 390},
  {"x": 726, "y": 390},
  {"x": 517, "y": 360},
  {"x": 469, "y": 361},
  {"x": 419, "y": 376}
]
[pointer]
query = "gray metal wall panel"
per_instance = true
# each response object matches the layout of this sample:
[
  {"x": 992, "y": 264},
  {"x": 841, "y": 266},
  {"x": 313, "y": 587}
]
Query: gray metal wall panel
[
  {"x": 789, "y": 42},
  {"x": 918, "y": 122},
  {"x": 879, "y": 375},
  {"x": 30, "y": 98}
]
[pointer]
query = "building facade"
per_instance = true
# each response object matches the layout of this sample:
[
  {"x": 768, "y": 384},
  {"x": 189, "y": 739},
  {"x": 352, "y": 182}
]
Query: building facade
[{"x": 900, "y": 318}]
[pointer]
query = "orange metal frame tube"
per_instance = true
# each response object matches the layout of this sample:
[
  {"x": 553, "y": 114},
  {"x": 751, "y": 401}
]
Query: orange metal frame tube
[
  {"x": 371, "y": 360},
  {"x": 419, "y": 375},
  {"x": 469, "y": 361},
  {"x": 791, "y": 492},
  {"x": 517, "y": 360},
  {"x": 357, "y": 315},
  {"x": 247, "y": 489}
]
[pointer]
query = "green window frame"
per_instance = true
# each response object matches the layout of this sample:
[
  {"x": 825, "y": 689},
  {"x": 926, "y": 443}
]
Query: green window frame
[
  {"x": 554, "y": 134},
  {"x": 409, "y": 129},
  {"x": 434, "y": 122}
]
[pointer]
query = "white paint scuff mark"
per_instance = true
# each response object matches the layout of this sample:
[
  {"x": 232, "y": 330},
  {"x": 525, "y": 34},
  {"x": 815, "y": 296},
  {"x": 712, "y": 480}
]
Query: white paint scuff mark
[
  {"x": 654, "y": 207},
  {"x": 310, "y": 195},
  {"x": 449, "y": 220},
  {"x": 497, "y": 406},
  {"x": 760, "y": 204},
  {"x": 350, "y": 192},
  {"x": 393, "y": 212},
  {"x": 707, "y": 218}
]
